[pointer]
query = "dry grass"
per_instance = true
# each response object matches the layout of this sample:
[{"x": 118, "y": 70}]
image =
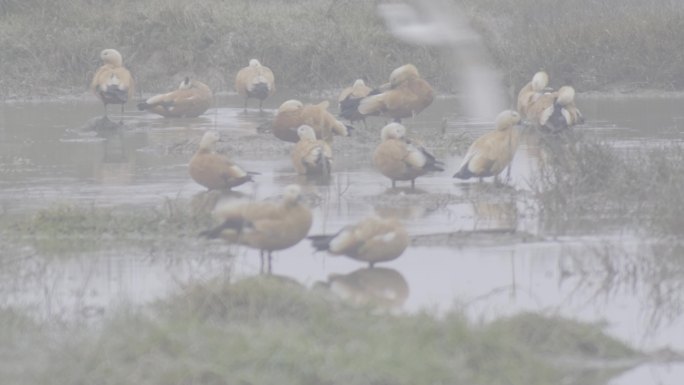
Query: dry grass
[
  {"x": 593, "y": 45},
  {"x": 53, "y": 47}
]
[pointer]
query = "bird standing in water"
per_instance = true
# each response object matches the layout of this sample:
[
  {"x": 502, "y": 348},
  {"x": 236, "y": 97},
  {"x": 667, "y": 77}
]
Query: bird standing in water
[
  {"x": 404, "y": 96},
  {"x": 311, "y": 156},
  {"x": 373, "y": 239},
  {"x": 400, "y": 158},
  {"x": 493, "y": 151},
  {"x": 266, "y": 226},
  {"x": 112, "y": 82},
  {"x": 255, "y": 81},
  {"x": 215, "y": 171}
]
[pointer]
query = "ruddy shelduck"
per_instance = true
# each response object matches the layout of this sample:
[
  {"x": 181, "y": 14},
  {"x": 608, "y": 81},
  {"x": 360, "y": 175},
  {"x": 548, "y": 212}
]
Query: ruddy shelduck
[
  {"x": 293, "y": 113},
  {"x": 400, "y": 158},
  {"x": 373, "y": 239},
  {"x": 267, "y": 226},
  {"x": 191, "y": 99},
  {"x": 406, "y": 95},
  {"x": 255, "y": 81},
  {"x": 112, "y": 82},
  {"x": 213, "y": 170},
  {"x": 493, "y": 151},
  {"x": 532, "y": 91},
  {"x": 556, "y": 111},
  {"x": 349, "y": 100},
  {"x": 569, "y": 112},
  {"x": 311, "y": 156}
]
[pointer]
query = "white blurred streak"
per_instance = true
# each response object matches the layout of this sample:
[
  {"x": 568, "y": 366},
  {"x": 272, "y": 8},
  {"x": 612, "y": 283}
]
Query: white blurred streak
[
  {"x": 434, "y": 27},
  {"x": 442, "y": 23}
]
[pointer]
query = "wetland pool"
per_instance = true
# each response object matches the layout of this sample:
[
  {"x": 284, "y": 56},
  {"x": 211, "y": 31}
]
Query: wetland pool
[{"x": 504, "y": 259}]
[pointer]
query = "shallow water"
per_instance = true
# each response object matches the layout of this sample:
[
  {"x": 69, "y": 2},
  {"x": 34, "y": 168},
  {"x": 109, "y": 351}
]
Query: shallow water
[{"x": 506, "y": 261}]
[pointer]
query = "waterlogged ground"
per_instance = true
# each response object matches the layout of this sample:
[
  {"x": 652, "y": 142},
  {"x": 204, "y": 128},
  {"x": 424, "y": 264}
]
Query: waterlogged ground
[{"x": 476, "y": 247}]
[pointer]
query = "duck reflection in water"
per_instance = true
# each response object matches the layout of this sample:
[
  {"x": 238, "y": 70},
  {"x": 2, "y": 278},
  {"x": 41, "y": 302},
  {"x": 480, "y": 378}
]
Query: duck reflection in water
[
  {"x": 494, "y": 209},
  {"x": 378, "y": 286},
  {"x": 116, "y": 167}
]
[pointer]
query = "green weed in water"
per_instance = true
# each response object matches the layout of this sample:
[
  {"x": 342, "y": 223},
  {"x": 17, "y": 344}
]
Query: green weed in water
[
  {"x": 583, "y": 180},
  {"x": 68, "y": 227}
]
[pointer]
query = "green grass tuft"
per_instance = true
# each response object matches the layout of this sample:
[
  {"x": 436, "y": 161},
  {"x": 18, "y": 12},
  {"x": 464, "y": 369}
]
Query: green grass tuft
[
  {"x": 68, "y": 228},
  {"x": 268, "y": 330}
]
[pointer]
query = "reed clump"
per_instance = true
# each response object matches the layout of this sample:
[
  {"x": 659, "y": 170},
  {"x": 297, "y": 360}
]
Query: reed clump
[{"x": 583, "y": 180}]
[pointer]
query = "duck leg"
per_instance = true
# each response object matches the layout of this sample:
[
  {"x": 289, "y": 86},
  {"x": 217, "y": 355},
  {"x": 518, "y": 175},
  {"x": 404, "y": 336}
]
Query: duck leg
[{"x": 270, "y": 262}]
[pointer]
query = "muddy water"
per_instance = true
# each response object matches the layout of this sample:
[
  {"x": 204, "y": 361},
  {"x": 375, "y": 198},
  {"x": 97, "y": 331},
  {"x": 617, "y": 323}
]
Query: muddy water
[{"x": 503, "y": 261}]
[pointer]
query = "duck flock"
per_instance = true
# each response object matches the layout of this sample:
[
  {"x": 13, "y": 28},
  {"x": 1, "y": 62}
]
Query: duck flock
[{"x": 276, "y": 225}]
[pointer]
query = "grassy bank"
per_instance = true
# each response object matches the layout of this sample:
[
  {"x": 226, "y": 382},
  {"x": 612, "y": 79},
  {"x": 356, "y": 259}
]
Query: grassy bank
[
  {"x": 270, "y": 331},
  {"x": 593, "y": 45},
  {"x": 51, "y": 47}
]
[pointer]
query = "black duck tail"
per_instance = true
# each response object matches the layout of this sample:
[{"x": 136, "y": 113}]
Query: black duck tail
[
  {"x": 557, "y": 121},
  {"x": 321, "y": 242},
  {"x": 349, "y": 109},
  {"x": 435, "y": 166},
  {"x": 259, "y": 91},
  {"x": 114, "y": 95},
  {"x": 464, "y": 173},
  {"x": 235, "y": 224}
]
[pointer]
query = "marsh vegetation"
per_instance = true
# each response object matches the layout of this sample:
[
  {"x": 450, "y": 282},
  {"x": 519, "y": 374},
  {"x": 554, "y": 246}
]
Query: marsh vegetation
[
  {"x": 270, "y": 330},
  {"x": 606, "y": 45},
  {"x": 583, "y": 179},
  {"x": 51, "y": 47},
  {"x": 104, "y": 279}
]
